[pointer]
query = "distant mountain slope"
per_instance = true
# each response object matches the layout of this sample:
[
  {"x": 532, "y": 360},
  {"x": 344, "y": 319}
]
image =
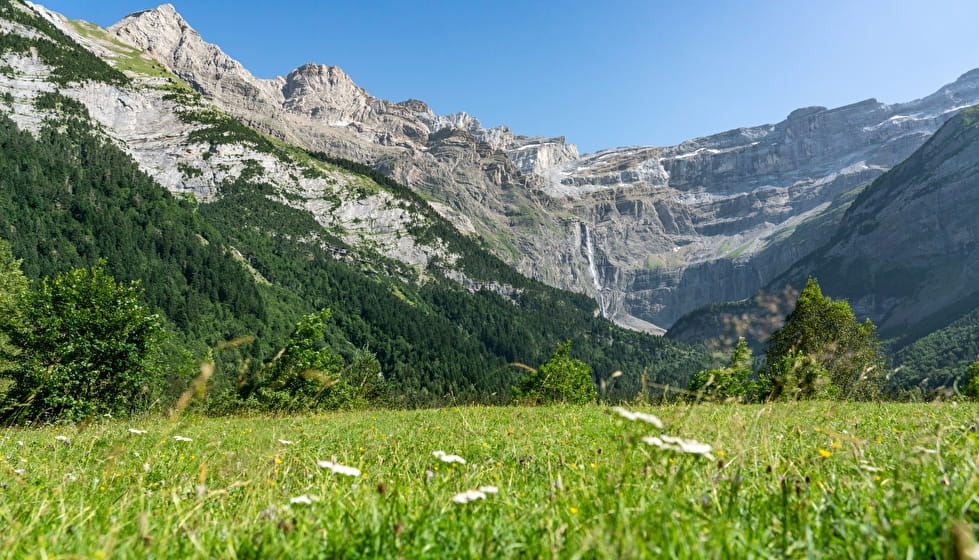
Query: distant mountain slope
[
  {"x": 906, "y": 252},
  {"x": 254, "y": 233},
  {"x": 644, "y": 230}
]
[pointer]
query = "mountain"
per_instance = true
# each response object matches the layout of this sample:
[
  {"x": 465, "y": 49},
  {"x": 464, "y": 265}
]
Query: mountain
[
  {"x": 643, "y": 230},
  {"x": 905, "y": 254},
  {"x": 235, "y": 235}
]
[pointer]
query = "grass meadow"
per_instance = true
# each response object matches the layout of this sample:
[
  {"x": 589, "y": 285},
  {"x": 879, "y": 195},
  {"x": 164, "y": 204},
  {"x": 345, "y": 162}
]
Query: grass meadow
[{"x": 809, "y": 479}]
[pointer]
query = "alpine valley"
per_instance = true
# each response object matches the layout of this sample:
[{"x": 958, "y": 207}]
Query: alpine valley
[{"x": 451, "y": 250}]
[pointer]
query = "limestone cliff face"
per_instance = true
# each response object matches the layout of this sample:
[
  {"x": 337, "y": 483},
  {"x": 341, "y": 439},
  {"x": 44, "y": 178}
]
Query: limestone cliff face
[{"x": 649, "y": 232}]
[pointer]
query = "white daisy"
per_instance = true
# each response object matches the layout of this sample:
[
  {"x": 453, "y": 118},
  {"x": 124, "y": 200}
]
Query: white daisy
[
  {"x": 448, "y": 458},
  {"x": 638, "y": 416},
  {"x": 338, "y": 468},
  {"x": 679, "y": 444},
  {"x": 468, "y": 496}
]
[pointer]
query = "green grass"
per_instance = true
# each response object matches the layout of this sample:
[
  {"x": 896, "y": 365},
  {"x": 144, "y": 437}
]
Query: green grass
[
  {"x": 828, "y": 480},
  {"x": 128, "y": 59},
  {"x": 738, "y": 251}
]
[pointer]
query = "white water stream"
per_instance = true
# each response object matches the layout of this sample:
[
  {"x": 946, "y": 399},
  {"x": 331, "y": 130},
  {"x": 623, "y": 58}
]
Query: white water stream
[{"x": 590, "y": 253}]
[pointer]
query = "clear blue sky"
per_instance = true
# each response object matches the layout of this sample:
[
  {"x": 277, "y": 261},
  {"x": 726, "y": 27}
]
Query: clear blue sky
[{"x": 603, "y": 73}]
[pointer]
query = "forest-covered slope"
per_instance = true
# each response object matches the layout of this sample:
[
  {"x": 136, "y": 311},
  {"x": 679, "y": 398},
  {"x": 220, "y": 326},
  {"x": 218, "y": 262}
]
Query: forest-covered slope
[{"x": 248, "y": 259}]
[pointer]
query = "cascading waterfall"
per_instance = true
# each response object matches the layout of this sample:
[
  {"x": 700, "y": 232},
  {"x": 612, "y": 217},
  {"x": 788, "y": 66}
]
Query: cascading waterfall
[{"x": 590, "y": 254}]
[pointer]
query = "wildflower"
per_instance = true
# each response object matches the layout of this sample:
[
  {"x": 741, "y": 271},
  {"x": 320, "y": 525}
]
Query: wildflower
[
  {"x": 63, "y": 439},
  {"x": 338, "y": 468},
  {"x": 182, "y": 438},
  {"x": 573, "y": 510},
  {"x": 825, "y": 454},
  {"x": 304, "y": 499},
  {"x": 71, "y": 477},
  {"x": 489, "y": 489},
  {"x": 136, "y": 431},
  {"x": 640, "y": 416},
  {"x": 448, "y": 458},
  {"x": 285, "y": 442},
  {"x": 679, "y": 444},
  {"x": 468, "y": 496},
  {"x": 924, "y": 450}
]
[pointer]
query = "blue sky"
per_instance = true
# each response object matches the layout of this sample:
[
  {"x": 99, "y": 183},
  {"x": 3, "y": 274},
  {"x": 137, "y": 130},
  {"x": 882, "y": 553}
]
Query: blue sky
[{"x": 603, "y": 73}]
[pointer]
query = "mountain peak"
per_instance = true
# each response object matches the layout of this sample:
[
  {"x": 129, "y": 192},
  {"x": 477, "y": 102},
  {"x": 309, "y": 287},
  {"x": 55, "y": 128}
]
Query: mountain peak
[
  {"x": 970, "y": 76},
  {"x": 164, "y": 15}
]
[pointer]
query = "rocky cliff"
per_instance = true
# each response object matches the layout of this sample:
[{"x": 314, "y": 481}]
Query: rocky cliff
[
  {"x": 649, "y": 232},
  {"x": 904, "y": 253}
]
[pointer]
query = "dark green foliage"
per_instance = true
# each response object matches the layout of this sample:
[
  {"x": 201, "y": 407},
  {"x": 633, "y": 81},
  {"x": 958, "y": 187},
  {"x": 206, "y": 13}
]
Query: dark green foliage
[
  {"x": 13, "y": 287},
  {"x": 732, "y": 383},
  {"x": 560, "y": 379},
  {"x": 69, "y": 61},
  {"x": 69, "y": 198},
  {"x": 306, "y": 373},
  {"x": 84, "y": 343},
  {"x": 971, "y": 387},
  {"x": 938, "y": 359},
  {"x": 823, "y": 352},
  {"x": 222, "y": 129},
  {"x": 309, "y": 375}
]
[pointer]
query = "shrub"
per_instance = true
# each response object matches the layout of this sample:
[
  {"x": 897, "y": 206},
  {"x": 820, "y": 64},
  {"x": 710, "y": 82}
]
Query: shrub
[
  {"x": 971, "y": 388},
  {"x": 724, "y": 384},
  {"x": 309, "y": 375},
  {"x": 823, "y": 352},
  {"x": 13, "y": 287},
  {"x": 560, "y": 379},
  {"x": 84, "y": 342}
]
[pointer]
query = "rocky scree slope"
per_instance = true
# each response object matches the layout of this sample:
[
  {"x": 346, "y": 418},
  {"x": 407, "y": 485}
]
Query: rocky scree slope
[{"x": 646, "y": 231}]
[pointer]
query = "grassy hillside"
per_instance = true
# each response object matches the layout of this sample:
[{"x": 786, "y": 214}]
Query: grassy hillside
[{"x": 814, "y": 480}]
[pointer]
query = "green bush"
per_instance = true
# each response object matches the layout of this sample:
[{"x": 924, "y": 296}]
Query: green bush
[
  {"x": 725, "y": 384},
  {"x": 13, "y": 286},
  {"x": 84, "y": 342},
  {"x": 823, "y": 352},
  {"x": 971, "y": 388},
  {"x": 560, "y": 379},
  {"x": 309, "y": 375}
]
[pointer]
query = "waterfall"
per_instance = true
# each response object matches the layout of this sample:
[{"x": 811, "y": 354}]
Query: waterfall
[{"x": 590, "y": 253}]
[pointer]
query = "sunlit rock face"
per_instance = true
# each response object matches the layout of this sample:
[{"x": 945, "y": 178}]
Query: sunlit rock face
[{"x": 649, "y": 232}]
